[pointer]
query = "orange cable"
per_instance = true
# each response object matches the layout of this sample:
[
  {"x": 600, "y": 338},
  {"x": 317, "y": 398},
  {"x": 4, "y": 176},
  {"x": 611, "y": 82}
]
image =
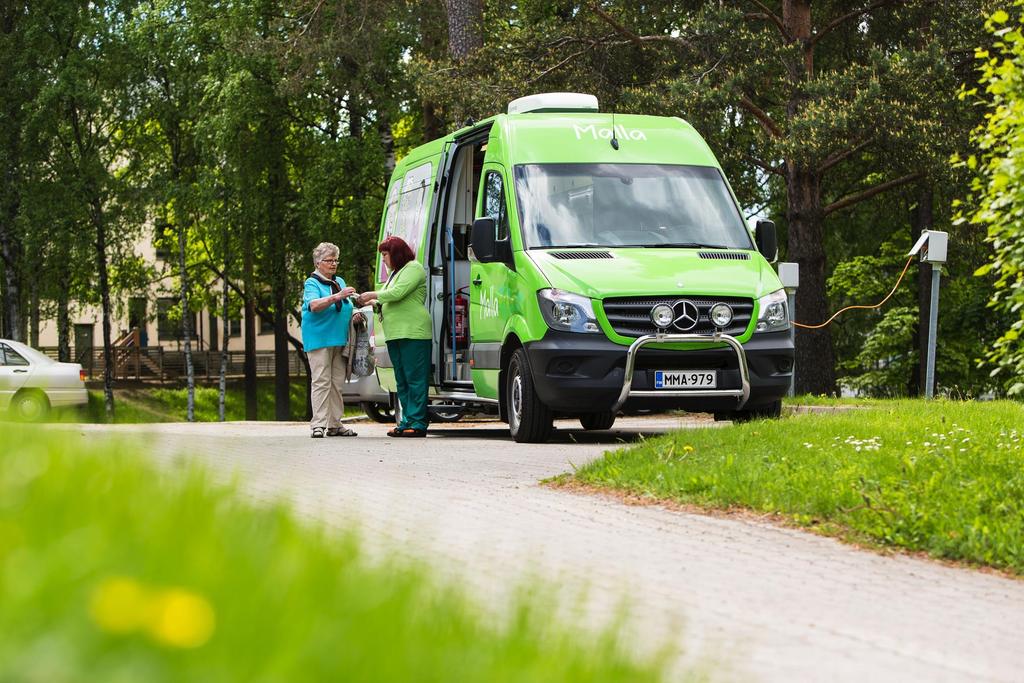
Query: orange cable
[{"x": 879, "y": 304}]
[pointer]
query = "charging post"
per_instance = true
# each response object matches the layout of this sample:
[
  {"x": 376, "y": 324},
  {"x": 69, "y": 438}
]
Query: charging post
[
  {"x": 932, "y": 245},
  {"x": 789, "y": 274}
]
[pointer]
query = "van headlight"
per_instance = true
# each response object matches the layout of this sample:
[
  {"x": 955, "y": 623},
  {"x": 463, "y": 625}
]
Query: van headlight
[
  {"x": 774, "y": 312},
  {"x": 566, "y": 311}
]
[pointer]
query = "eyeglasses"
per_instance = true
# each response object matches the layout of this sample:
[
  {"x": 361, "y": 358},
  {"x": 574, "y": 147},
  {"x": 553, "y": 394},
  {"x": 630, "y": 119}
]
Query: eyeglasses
[{"x": 328, "y": 260}]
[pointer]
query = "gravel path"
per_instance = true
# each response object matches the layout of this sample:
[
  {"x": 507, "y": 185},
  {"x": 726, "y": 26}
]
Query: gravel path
[{"x": 747, "y": 601}]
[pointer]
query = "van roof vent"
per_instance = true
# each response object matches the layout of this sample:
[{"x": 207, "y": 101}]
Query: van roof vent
[
  {"x": 568, "y": 255},
  {"x": 553, "y": 101},
  {"x": 725, "y": 255}
]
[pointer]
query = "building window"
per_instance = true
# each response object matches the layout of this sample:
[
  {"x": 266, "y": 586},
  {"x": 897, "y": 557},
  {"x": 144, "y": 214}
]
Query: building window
[
  {"x": 235, "y": 328},
  {"x": 266, "y": 325},
  {"x": 168, "y": 319}
]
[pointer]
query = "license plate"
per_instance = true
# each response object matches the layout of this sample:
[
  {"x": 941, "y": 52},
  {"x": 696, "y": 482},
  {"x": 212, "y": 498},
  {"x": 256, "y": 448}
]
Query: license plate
[{"x": 685, "y": 379}]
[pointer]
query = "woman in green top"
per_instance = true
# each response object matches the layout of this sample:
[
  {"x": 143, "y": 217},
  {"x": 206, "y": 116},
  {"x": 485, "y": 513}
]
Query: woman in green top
[{"x": 408, "y": 331}]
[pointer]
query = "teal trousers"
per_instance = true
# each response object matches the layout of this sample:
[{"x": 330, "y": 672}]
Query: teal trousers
[{"x": 411, "y": 358}]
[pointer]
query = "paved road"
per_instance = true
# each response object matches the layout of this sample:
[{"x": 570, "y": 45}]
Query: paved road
[{"x": 750, "y": 601}]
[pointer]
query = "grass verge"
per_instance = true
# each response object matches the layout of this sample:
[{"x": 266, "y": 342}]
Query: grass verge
[
  {"x": 942, "y": 477},
  {"x": 169, "y": 404},
  {"x": 112, "y": 570}
]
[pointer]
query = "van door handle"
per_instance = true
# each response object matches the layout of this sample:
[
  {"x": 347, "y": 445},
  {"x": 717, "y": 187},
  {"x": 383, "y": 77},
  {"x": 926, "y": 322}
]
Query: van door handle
[
  {"x": 477, "y": 281},
  {"x": 21, "y": 370}
]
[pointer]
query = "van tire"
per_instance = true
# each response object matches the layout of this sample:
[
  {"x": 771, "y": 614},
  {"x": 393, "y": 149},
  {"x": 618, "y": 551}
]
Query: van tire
[
  {"x": 529, "y": 420},
  {"x": 769, "y": 411},
  {"x": 603, "y": 420}
]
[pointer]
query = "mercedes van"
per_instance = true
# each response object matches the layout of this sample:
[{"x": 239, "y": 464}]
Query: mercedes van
[{"x": 582, "y": 263}]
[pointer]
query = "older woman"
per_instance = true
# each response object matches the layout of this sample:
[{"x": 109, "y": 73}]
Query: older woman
[
  {"x": 407, "y": 328},
  {"x": 326, "y": 314}
]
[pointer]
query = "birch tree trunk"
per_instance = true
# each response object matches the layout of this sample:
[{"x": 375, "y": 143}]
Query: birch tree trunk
[{"x": 186, "y": 323}]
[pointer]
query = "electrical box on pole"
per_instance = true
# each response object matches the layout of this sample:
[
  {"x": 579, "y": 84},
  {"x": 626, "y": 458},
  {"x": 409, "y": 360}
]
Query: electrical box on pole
[
  {"x": 789, "y": 275},
  {"x": 932, "y": 245}
]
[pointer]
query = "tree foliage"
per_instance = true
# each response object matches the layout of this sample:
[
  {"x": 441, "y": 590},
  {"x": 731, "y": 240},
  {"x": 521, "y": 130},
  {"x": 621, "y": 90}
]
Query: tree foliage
[
  {"x": 238, "y": 134},
  {"x": 998, "y": 186}
]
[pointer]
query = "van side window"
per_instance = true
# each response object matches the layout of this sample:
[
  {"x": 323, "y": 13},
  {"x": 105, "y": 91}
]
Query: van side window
[
  {"x": 494, "y": 203},
  {"x": 390, "y": 219},
  {"x": 408, "y": 218}
]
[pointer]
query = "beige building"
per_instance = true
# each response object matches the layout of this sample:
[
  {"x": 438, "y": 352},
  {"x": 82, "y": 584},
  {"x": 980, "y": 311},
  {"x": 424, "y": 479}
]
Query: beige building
[{"x": 149, "y": 343}]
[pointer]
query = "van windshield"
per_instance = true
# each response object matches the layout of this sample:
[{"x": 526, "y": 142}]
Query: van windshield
[{"x": 627, "y": 205}]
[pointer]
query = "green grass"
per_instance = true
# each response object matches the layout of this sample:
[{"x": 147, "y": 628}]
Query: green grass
[
  {"x": 169, "y": 404},
  {"x": 812, "y": 400},
  {"x": 942, "y": 477},
  {"x": 112, "y": 570}
]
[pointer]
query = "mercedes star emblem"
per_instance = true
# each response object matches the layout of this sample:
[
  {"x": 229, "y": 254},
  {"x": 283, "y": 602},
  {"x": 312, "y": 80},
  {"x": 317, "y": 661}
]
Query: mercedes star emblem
[{"x": 686, "y": 315}]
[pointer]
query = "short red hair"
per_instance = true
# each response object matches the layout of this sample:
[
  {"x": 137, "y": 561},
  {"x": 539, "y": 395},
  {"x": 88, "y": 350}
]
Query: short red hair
[{"x": 399, "y": 250}]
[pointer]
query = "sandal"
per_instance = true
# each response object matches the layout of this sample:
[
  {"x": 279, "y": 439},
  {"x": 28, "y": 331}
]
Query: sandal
[
  {"x": 409, "y": 431},
  {"x": 396, "y": 431},
  {"x": 318, "y": 433},
  {"x": 341, "y": 431}
]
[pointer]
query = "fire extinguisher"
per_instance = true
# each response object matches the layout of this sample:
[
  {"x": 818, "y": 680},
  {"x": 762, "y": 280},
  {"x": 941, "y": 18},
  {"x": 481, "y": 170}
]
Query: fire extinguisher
[{"x": 461, "y": 321}]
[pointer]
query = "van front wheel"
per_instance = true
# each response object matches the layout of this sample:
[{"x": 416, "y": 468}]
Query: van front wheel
[{"x": 529, "y": 420}]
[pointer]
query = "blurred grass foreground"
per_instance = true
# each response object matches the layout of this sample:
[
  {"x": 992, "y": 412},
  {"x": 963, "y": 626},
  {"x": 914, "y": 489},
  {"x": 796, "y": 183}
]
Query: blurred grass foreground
[{"x": 114, "y": 570}]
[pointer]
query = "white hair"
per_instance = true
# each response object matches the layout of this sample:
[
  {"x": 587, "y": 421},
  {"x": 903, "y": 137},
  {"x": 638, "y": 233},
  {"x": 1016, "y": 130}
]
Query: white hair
[{"x": 325, "y": 250}]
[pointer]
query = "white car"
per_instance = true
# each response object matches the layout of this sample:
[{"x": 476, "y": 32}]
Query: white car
[{"x": 31, "y": 383}]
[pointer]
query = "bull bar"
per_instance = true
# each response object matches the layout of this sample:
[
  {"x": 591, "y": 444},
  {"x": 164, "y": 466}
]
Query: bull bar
[{"x": 741, "y": 394}]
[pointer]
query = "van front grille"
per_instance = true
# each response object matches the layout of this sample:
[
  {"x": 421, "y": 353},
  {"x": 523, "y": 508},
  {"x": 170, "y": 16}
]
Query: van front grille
[
  {"x": 725, "y": 255},
  {"x": 631, "y": 316},
  {"x": 566, "y": 255}
]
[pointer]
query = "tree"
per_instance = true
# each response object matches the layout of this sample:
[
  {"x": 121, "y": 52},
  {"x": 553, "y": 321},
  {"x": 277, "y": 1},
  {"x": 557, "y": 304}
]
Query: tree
[
  {"x": 172, "y": 45},
  {"x": 24, "y": 51},
  {"x": 92, "y": 83},
  {"x": 823, "y": 109},
  {"x": 997, "y": 201}
]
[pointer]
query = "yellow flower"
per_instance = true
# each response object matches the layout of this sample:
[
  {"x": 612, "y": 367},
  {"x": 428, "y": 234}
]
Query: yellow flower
[
  {"x": 688, "y": 448},
  {"x": 119, "y": 605},
  {"x": 181, "y": 618}
]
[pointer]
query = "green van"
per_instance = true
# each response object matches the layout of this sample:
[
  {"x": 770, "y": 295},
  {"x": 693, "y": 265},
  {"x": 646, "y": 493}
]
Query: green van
[{"x": 581, "y": 263}]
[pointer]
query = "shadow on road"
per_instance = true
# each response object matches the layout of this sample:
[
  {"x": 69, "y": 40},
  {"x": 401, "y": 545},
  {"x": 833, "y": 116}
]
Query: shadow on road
[{"x": 611, "y": 437}]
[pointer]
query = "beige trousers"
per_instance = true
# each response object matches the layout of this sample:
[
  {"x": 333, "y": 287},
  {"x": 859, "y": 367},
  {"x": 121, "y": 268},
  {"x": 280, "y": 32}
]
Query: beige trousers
[{"x": 327, "y": 367}]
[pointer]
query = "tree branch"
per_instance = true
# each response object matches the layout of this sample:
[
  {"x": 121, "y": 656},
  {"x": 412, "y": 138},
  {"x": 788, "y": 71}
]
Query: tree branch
[
  {"x": 637, "y": 40},
  {"x": 852, "y": 199},
  {"x": 764, "y": 165},
  {"x": 562, "y": 63},
  {"x": 767, "y": 13},
  {"x": 838, "y": 21},
  {"x": 838, "y": 157},
  {"x": 762, "y": 116}
]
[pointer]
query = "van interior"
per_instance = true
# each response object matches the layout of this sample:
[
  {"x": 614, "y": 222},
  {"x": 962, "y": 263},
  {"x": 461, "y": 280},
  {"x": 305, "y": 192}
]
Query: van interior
[{"x": 449, "y": 264}]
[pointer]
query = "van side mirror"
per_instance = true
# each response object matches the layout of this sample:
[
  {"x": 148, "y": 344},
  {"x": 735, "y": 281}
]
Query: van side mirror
[
  {"x": 482, "y": 240},
  {"x": 767, "y": 240}
]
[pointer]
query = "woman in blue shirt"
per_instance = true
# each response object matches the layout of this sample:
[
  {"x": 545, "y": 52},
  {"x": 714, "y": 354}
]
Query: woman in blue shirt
[{"x": 326, "y": 314}]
